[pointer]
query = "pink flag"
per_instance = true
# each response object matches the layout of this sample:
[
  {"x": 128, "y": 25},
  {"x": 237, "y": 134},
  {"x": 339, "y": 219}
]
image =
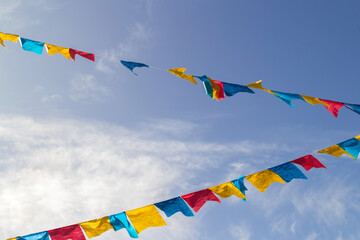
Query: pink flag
[
  {"x": 72, "y": 232},
  {"x": 197, "y": 199},
  {"x": 89, "y": 56},
  {"x": 308, "y": 162},
  {"x": 333, "y": 107}
]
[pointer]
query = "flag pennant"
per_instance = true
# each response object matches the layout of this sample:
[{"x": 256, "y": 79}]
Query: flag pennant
[
  {"x": 226, "y": 190},
  {"x": 231, "y": 89},
  {"x": 120, "y": 221},
  {"x": 353, "y": 107},
  {"x": 258, "y": 85},
  {"x": 96, "y": 227},
  {"x": 35, "y": 236},
  {"x": 308, "y": 162},
  {"x": 179, "y": 72},
  {"x": 239, "y": 183},
  {"x": 132, "y": 65},
  {"x": 72, "y": 232},
  {"x": 335, "y": 150},
  {"x": 313, "y": 100},
  {"x": 288, "y": 171},
  {"x": 86, "y": 55},
  {"x": 333, "y": 106},
  {"x": 197, "y": 199},
  {"x": 8, "y": 37},
  {"x": 31, "y": 45},
  {"x": 52, "y": 49},
  {"x": 351, "y": 146},
  {"x": 288, "y": 97},
  {"x": 145, "y": 217},
  {"x": 207, "y": 85},
  {"x": 219, "y": 94},
  {"x": 262, "y": 180},
  {"x": 174, "y": 205}
]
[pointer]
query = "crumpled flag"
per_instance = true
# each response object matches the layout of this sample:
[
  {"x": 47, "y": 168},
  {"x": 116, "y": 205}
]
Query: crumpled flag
[
  {"x": 239, "y": 183},
  {"x": 8, "y": 37},
  {"x": 173, "y": 206},
  {"x": 145, "y": 217},
  {"x": 86, "y": 55},
  {"x": 353, "y": 107},
  {"x": 179, "y": 72},
  {"x": 313, "y": 100},
  {"x": 288, "y": 171},
  {"x": 35, "y": 236},
  {"x": 132, "y": 65},
  {"x": 333, "y": 106},
  {"x": 351, "y": 146},
  {"x": 72, "y": 232},
  {"x": 120, "y": 221},
  {"x": 231, "y": 89},
  {"x": 219, "y": 93},
  {"x": 197, "y": 199},
  {"x": 308, "y": 162},
  {"x": 287, "y": 97},
  {"x": 335, "y": 150},
  {"x": 262, "y": 180},
  {"x": 226, "y": 190},
  {"x": 31, "y": 45},
  {"x": 258, "y": 85},
  {"x": 207, "y": 85},
  {"x": 52, "y": 49},
  {"x": 96, "y": 227}
]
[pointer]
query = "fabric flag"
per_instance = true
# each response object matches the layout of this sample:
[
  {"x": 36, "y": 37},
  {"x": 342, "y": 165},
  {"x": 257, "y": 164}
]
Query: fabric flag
[
  {"x": 96, "y": 227},
  {"x": 89, "y": 56},
  {"x": 258, "y": 85},
  {"x": 35, "y": 236},
  {"x": 132, "y": 65},
  {"x": 262, "y": 180},
  {"x": 72, "y": 232},
  {"x": 145, "y": 217},
  {"x": 308, "y": 162},
  {"x": 179, "y": 72},
  {"x": 219, "y": 94},
  {"x": 333, "y": 106},
  {"x": 335, "y": 150},
  {"x": 173, "y": 206},
  {"x": 288, "y": 97},
  {"x": 207, "y": 85},
  {"x": 12, "y": 238},
  {"x": 52, "y": 49},
  {"x": 288, "y": 171},
  {"x": 353, "y": 107},
  {"x": 31, "y": 45},
  {"x": 226, "y": 190},
  {"x": 231, "y": 89},
  {"x": 8, "y": 37},
  {"x": 120, "y": 221},
  {"x": 197, "y": 199},
  {"x": 313, "y": 100},
  {"x": 239, "y": 183},
  {"x": 351, "y": 146}
]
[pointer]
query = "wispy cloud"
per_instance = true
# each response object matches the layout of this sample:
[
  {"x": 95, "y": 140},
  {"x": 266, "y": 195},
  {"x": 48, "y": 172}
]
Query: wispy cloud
[
  {"x": 85, "y": 87},
  {"x": 240, "y": 232}
]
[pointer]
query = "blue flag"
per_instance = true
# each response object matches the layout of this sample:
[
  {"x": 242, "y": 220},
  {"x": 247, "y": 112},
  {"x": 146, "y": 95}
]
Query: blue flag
[
  {"x": 231, "y": 89},
  {"x": 132, "y": 65},
  {"x": 173, "y": 206},
  {"x": 119, "y": 221},
  {"x": 288, "y": 171},
  {"x": 32, "y": 46}
]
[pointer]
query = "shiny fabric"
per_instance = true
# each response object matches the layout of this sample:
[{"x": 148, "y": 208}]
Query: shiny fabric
[
  {"x": 145, "y": 217},
  {"x": 86, "y": 55},
  {"x": 52, "y": 49},
  {"x": 35, "y": 236},
  {"x": 174, "y": 205},
  {"x": 132, "y": 65},
  {"x": 72, "y": 232},
  {"x": 96, "y": 227},
  {"x": 197, "y": 199},
  {"x": 226, "y": 190},
  {"x": 207, "y": 85},
  {"x": 288, "y": 171},
  {"x": 333, "y": 106},
  {"x": 32, "y": 46},
  {"x": 231, "y": 89},
  {"x": 335, "y": 150},
  {"x": 288, "y": 97},
  {"x": 180, "y": 73},
  {"x": 120, "y": 221},
  {"x": 308, "y": 162},
  {"x": 351, "y": 146},
  {"x": 8, "y": 37},
  {"x": 262, "y": 180}
]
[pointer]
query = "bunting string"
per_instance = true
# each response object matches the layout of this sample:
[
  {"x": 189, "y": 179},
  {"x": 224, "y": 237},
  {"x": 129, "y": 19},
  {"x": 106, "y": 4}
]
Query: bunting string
[{"x": 137, "y": 220}]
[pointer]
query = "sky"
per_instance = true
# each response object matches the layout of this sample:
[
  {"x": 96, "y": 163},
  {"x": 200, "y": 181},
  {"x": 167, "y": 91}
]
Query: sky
[{"x": 83, "y": 140}]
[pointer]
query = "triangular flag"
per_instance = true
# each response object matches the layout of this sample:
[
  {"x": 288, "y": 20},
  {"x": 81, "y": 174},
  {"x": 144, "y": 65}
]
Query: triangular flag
[
  {"x": 308, "y": 162},
  {"x": 132, "y": 65},
  {"x": 219, "y": 94},
  {"x": 52, "y": 49},
  {"x": 120, "y": 221},
  {"x": 197, "y": 199},
  {"x": 288, "y": 97},
  {"x": 96, "y": 227},
  {"x": 86, "y": 55},
  {"x": 231, "y": 89},
  {"x": 72, "y": 232},
  {"x": 180, "y": 73},
  {"x": 258, "y": 85},
  {"x": 145, "y": 217},
  {"x": 333, "y": 106},
  {"x": 313, "y": 100},
  {"x": 288, "y": 171},
  {"x": 351, "y": 146},
  {"x": 335, "y": 150},
  {"x": 226, "y": 190},
  {"x": 262, "y": 180},
  {"x": 35, "y": 236},
  {"x": 31, "y": 45},
  {"x": 353, "y": 107},
  {"x": 8, "y": 37},
  {"x": 173, "y": 206},
  {"x": 239, "y": 183}
]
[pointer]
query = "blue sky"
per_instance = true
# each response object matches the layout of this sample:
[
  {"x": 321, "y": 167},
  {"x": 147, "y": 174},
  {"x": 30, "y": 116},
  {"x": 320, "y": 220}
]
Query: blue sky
[{"x": 84, "y": 140}]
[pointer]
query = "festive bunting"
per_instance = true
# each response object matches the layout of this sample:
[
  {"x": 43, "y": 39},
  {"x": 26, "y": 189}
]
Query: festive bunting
[
  {"x": 258, "y": 85},
  {"x": 120, "y": 221},
  {"x": 31, "y": 45},
  {"x": 35, "y": 236},
  {"x": 89, "y": 56},
  {"x": 218, "y": 90},
  {"x": 96, "y": 227},
  {"x": 313, "y": 101},
  {"x": 180, "y": 73},
  {"x": 333, "y": 106},
  {"x": 8, "y": 37},
  {"x": 207, "y": 85},
  {"x": 174, "y": 205},
  {"x": 353, "y": 107},
  {"x": 226, "y": 190},
  {"x": 239, "y": 183},
  {"x": 288, "y": 171},
  {"x": 52, "y": 49},
  {"x": 132, "y": 65},
  {"x": 335, "y": 150},
  {"x": 350, "y": 147},
  {"x": 197, "y": 199},
  {"x": 72, "y": 232},
  {"x": 308, "y": 162},
  {"x": 145, "y": 217},
  {"x": 262, "y": 180},
  {"x": 231, "y": 89},
  {"x": 287, "y": 97}
]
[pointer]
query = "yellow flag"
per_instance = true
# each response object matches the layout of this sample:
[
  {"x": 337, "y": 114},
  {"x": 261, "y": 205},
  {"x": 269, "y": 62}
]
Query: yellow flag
[
  {"x": 180, "y": 73},
  {"x": 262, "y": 180},
  {"x": 8, "y": 37},
  {"x": 335, "y": 150},
  {"x": 226, "y": 190},
  {"x": 358, "y": 137},
  {"x": 313, "y": 100},
  {"x": 96, "y": 227},
  {"x": 52, "y": 49},
  {"x": 12, "y": 238},
  {"x": 145, "y": 217},
  {"x": 258, "y": 85}
]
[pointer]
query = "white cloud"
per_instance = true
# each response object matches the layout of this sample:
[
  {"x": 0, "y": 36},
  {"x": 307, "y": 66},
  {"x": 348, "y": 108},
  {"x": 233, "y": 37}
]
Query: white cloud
[
  {"x": 240, "y": 232},
  {"x": 51, "y": 98},
  {"x": 85, "y": 87}
]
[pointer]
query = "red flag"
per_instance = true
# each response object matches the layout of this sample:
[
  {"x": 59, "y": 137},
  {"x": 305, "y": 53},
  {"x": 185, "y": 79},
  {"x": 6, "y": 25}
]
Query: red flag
[
  {"x": 197, "y": 199},
  {"x": 72, "y": 232},
  {"x": 308, "y": 162},
  {"x": 333, "y": 107},
  {"x": 89, "y": 56},
  {"x": 220, "y": 93}
]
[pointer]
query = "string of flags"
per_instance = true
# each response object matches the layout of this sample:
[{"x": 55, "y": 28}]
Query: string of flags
[{"x": 137, "y": 220}]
